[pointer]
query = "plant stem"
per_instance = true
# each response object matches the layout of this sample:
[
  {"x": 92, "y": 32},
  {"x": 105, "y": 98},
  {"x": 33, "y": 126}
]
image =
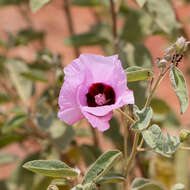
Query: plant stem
[
  {"x": 184, "y": 148},
  {"x": 126, "y": 115},
  {"x": 114, "y": 25},
  {"x": 70, "y": 24},
  {"x": 161, "y": 76},
  {"x": 95, "y": 137},
  {"x": 24, "y": 12},
  {"x": 137, "y": 135},
  {"x": 143, "y": 149},
  {"x": 131, "y": 158},
  {"x": 124, "y": 123}
]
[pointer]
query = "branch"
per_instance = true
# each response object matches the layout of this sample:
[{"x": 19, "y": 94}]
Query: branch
[
  {"x": 70, "y": 24},
  {"x": 114, "y": 25}
]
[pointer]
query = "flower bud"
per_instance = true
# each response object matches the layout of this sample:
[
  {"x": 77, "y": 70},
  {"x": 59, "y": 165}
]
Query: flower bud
[
  {"x": 178, "y": 186},
  {"x": 181, "y": 45},
  {"x": 161, "y": 63},
  {"x": 184, "y": 135},
  {"x": 169, "y": 50},
  {"x": 52, "y": 187}
]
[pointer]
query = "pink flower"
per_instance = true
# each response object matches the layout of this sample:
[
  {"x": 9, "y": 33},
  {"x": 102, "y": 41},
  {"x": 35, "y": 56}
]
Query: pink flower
[{"x": 94, "y": 86}]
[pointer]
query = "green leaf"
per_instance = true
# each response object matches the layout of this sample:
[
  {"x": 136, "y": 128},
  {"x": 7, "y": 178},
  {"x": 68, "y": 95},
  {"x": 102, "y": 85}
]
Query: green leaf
[
  {"x": 90, "y": 153},
  {"x": 78, "y": 187},
  {"x": 111, "y": 179},
  {"x": 180, "y": 88},
  {"x": 18, "y": 110},
  {"x": 102, "y": 165},
  {"x": 178, "y": 186},
  {"x": 140, "y": 24},
  {"x": 141, "y": 2},
  {"x": 59, "y": 182},
  {"x": 12, "y": 2},
  {"x": 61, "y": 134},
  {"x": 23, "y": 87},
  {"x": 86, "y": 3},
  {"x": 8, "y": 139},
  {"x": 136, "y": 54},
  {"x": 159, "y": 106},
  {"x": 23, "y": 37},
  {"x": 181, "y": 169},
  {"x": 144, "y": 117},
  {"x": 4, "y": 98},
  {"x": 15, "y": 122},
  {"x": 163, "y": 15},
  {"x": 80, "y": 132},
  {"x": 6, "y": 158},
  {"x": 146, "y": 184},
  {"x": 114, "y": 134},
  {"x": 86, "y": 39},
  {"x": 35, "y": 5},
  {"x": 3, "y": 185},
  {"x": 22, "y": 178},
  {"x": 159, "y": 143},
  {"x": 43, "y": 183},
  {"x": 51, "y": 168},
  {"x": 136, "y": 73},
  {"x": 35, "y": 75}
]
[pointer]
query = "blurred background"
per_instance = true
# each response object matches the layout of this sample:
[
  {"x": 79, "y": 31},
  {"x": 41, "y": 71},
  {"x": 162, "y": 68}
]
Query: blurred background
[{"x": 34, "y": 48}]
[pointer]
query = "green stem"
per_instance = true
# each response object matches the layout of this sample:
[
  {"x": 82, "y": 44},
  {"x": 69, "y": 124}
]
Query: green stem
[
  {"x": 137, "y": 135},
  {"x": 131, "y": 158},
  {"x": 161, "y": 76},
  {"x": 124, "y": 124},
  {"x": 126, "y": 115}
]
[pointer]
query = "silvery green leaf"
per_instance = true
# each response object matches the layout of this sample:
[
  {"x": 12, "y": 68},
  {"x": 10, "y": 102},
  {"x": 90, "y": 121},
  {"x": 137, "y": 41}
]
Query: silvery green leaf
[
  {"x": 86, "y": 3},
  {"x": 146, "y": 184},
  {"x": 23, "y": 86},
  {"x": 159, "y": 143},
  {"x": 17, "y": 121},
  {"x": 178, "y": 186},
  {"x": 163, "y": 15},
  {"x": 111, "y": 179},
  {"x": 6, "y": 158},
  {"x": 35, "y": 5},
  {"x": 61, "y": 134},
  {"x": 144, "y": 117},
  {"x": 101, "y": 166},
  {"x": 141, "y": 2},
  {"x": 135, "y": 73},
  {"x": 51, "y": 168},
  {"x": 179, "y": 85}
]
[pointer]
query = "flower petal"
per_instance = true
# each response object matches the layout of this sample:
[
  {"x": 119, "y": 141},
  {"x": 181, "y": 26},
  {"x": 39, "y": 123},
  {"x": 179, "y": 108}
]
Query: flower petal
[
  {"x": 128, "y": 97},
  {"x": 100, "y": 122},
  {"x": 106, "y": 70},
  {"x": 69, "y": 109},
  {"x": 70, "y": 115}
]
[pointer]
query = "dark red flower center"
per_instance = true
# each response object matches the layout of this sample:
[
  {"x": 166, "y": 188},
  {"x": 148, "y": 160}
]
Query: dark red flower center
[{"x": 100, "y": 94}]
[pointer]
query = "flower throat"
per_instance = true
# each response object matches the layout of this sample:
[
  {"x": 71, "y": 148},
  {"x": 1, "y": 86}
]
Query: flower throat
[{"x": 100, "y": 94}]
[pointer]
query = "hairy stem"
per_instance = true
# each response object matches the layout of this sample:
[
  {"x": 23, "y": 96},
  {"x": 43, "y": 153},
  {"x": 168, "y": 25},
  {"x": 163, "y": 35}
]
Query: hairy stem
[
  {"x": 131, "y": 158},
  {"x": 114, "y": 25},
  {"x": 161, "y": 76},
  {"x": 70, "y": 24},
  {"x": 124, "y": 125},
  {"x": 126, "y": 116},
  {"x": 137, "y": 135}
]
